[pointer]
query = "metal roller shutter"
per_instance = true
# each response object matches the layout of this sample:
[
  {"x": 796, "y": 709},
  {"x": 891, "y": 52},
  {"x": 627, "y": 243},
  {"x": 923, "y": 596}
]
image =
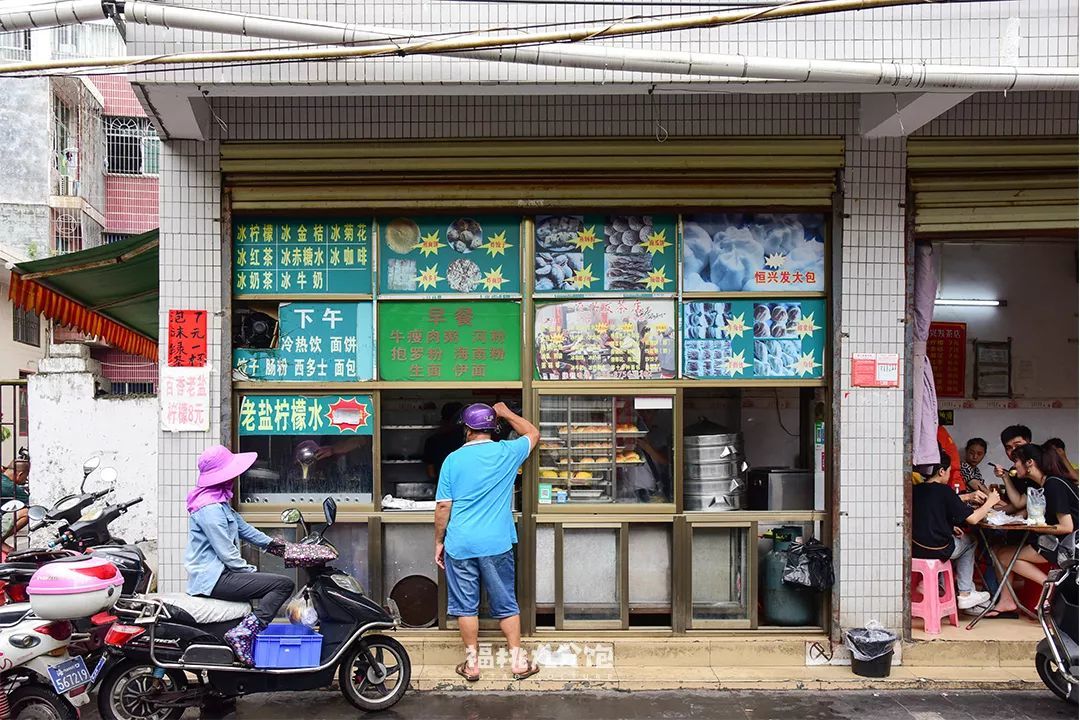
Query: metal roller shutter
[
  {"x": 792, "y": 172},
  {"x": 989, "y": 187}
]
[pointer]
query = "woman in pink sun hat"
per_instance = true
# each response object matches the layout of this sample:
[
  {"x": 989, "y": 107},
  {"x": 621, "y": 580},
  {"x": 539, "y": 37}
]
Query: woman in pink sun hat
[{"x": 215, "y": 566}]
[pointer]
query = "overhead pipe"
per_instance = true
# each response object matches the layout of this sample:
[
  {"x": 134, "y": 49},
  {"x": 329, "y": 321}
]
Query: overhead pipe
[
  {"x": 892, "y": 76},
  {"x": 36, "y": 17}
]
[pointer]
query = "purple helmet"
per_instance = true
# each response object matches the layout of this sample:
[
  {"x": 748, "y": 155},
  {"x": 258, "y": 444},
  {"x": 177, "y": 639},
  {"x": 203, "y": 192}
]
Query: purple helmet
[{"x": 479, "y": 416}]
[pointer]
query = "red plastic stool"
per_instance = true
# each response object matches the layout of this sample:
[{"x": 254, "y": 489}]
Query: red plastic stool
[{"x": 929, "y": 604}]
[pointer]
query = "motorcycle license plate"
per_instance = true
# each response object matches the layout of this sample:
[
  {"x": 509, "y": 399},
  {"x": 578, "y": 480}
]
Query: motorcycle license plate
[{"x": 69, "y": 675}]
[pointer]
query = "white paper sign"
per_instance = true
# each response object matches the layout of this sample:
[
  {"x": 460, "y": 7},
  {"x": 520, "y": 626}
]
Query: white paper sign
[{"x": 185, "y": 399}]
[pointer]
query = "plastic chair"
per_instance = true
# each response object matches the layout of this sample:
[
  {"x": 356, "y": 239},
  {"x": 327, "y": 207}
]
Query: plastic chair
[{"x": 930, "y": 604}]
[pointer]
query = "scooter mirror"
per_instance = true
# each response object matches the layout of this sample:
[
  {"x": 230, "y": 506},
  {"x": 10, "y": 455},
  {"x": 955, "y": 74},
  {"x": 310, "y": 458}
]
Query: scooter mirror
[
  {"x": 330, "y": 510},
  {"x": 109, "y": 475},
  {"x": 90, "y": 465},
  {"x": 291, "y": 516},
  {"x": 12, "y": 506},
  {"x": 37, "y": 513}
]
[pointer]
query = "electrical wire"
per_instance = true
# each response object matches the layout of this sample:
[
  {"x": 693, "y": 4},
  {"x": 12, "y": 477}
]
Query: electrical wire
[
  {"x": 779, "y": 417},
  {"x": 418, "y": 48}
]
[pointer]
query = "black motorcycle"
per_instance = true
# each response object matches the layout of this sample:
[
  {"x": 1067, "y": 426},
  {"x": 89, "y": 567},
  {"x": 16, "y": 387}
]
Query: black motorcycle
[
  {"x": 1056, "y": 658},
  {"x": 81, "y": 529},
  {"x": 171, "y": 656}
]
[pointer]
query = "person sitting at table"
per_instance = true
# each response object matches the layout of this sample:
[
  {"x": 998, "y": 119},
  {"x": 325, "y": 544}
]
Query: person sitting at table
[
  {"x": 1058, "y": 445},
  {"x": 936, "y": 514},
  {"x": 1042, "y": 469},
  {"x": 974, "y": 454}
]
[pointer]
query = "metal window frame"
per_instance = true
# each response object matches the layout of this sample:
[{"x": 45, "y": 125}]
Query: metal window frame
[{"x": 750, "y": 582}]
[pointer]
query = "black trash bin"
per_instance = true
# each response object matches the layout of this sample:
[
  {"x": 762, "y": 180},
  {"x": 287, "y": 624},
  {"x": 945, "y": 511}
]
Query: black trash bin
[{"x": 871, "y": 650}]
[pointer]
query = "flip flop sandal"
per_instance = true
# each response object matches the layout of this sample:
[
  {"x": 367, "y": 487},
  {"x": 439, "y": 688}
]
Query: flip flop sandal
[
  {"x": 1001, "y": 615},
  {"x": 460, "y": 670},
  {"x": 533, "y": 669}
]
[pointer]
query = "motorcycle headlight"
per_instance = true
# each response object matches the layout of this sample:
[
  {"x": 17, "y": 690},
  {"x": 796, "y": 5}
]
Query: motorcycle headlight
[{"x": 347, "y": 582}]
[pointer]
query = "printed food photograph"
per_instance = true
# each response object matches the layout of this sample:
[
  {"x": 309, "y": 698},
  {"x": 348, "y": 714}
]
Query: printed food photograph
[
  {"x": 776, "y": 320},
  {"x": 402, "y": 235},
  {"x": 465, "y": 235},
  {"x": 776, "y": 358},
  {"x": 736, "y": 252},
  {"x": 401, "y": 275}
]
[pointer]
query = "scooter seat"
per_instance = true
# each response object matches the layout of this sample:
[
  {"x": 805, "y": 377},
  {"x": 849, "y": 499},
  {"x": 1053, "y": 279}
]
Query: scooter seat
[{"x": 203, "y": 610}]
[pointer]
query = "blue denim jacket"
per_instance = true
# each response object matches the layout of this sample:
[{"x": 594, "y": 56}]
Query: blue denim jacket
[{"x": 213, "y": 546}]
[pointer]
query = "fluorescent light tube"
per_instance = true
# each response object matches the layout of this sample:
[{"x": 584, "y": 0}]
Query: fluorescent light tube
[{"x": 969, "y": 302}]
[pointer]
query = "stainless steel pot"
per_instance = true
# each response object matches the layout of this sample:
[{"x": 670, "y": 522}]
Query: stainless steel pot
[
  {"x": 713, "y": 471},
  {"x": 715, "y": 502}
]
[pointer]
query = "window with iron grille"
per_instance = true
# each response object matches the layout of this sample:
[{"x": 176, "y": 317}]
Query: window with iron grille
[
  {"x": 133, "y": 146},
  {"x": 65, "y": 140},
  {"x": 110, "y": 238},
  {"x": 67, "y": 231},
  {"x": 133, "y": 388},
  {"x": 15, "y": 45},
  {"x": 26, "y": 327}
]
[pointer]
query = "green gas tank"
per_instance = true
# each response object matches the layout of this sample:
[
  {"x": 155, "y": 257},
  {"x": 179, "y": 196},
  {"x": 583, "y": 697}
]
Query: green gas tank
[{"x": 782, "y": 604}]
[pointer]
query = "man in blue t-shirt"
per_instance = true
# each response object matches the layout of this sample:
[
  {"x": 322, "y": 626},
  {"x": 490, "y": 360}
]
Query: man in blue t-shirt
[{"x": 474, "y": 530}]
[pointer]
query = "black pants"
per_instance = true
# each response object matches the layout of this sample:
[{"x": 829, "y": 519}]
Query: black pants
[{"x": 270, "y": 590}]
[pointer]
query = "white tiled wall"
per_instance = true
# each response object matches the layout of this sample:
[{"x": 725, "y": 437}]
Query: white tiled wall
[
  {"x": 871, "y": 421},
  {"x": 190, "y": 278}
]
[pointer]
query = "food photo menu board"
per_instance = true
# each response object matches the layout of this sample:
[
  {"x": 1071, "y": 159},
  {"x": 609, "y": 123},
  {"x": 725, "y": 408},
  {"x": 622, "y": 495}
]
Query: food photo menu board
[
  {"x": 605, "y": 340},
  {"x": 622, "y": 254},
  {"x": 760, "y": 339},
  {"x": 745, "y": 252},
  {"x": 440, "y": 255}
]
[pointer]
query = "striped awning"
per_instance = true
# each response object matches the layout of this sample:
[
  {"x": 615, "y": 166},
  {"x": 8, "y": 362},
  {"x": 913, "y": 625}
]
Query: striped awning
[{"x": 109, "y": 292}]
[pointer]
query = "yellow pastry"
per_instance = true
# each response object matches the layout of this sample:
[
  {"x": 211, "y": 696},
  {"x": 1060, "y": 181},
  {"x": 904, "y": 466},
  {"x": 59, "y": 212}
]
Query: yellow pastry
[
  {"x": 583, "y": 475},
  {"x": 548, "y": 474}
]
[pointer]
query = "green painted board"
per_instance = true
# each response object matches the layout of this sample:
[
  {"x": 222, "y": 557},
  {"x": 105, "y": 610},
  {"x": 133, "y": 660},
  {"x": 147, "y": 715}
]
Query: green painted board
[{"x": 453, "y": 341}]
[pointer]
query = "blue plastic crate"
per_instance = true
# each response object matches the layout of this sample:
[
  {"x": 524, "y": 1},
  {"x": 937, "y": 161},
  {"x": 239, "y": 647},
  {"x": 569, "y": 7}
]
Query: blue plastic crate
[{"x": 287, "y": 646}]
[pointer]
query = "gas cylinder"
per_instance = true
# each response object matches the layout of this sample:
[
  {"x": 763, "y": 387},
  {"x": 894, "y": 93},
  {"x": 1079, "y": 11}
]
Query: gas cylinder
[{"x": 783, "y": 604}]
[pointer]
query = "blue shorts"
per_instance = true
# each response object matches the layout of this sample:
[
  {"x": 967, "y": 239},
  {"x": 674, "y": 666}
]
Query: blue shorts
[{"x": 463, "y": 578}]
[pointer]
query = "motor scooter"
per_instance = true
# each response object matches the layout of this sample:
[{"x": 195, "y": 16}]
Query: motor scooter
[
  {"x": 1056, "y": 656},
  {"x": 38, "y": 678},
  {"x": 172, "y": 654}
]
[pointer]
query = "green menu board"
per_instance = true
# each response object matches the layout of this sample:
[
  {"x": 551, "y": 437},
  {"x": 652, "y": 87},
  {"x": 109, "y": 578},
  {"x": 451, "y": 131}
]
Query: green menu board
[
  {"x": 624, "y": 254},
  {"x": 450, "y": 341},
  {"x": 754, "y": 339},
  {"x": 450, "y": 255},
  {"x": 299, "y": 257},
  {"x": 306, "y": 415}
]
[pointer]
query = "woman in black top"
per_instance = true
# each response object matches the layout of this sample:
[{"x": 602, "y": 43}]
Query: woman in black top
[{"x": 1042, "y": 469}]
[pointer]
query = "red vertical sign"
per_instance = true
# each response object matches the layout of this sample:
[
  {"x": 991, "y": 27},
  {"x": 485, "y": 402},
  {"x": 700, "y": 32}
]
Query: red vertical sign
[
  {"x": 187, "y": 338},
  {"x": 947, "y": 349}
]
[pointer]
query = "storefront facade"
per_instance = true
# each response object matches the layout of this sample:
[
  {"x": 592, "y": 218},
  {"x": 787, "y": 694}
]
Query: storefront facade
[
  {"x": 609, "y": 346},
  {"x": 616, "y": 328}
]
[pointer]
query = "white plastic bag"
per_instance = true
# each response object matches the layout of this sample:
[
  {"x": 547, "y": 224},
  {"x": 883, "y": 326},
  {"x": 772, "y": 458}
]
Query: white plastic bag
[
  {"x": 1036, "y": 506},
  {"x": 301, "y": 611}
]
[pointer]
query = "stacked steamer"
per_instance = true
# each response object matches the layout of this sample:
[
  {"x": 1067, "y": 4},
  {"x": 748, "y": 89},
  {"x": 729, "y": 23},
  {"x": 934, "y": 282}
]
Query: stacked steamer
[{"x": 714, "y": 477}]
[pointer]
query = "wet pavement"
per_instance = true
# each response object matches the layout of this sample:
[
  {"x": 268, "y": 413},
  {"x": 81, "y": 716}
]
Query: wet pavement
[{"x": 674, "y": 705}]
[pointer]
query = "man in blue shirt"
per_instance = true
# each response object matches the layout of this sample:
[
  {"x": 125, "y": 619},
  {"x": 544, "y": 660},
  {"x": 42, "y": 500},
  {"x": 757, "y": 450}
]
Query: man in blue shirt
[{"x": 474, "y": 530}]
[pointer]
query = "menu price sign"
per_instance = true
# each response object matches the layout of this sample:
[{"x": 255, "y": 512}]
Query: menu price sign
[
  {"x": 317, "y": 342},
  {"x": 605, "y": 340},
  {"x": 297, "y": 257},
  {"x": 946, "y": 347},
  {"x": 184, "y": 394},
  {"x": 187, "y": 338},
  {"x": 596, "y": 253},
  {"x": 306, "y": 415},
  {"x": 450, "y": 341},
  {"x": 762, "y": 339},
  {"x": 749, "y": 252},
  {"x": 875, "y": 370},
  {"x": 450, "y": 255}
]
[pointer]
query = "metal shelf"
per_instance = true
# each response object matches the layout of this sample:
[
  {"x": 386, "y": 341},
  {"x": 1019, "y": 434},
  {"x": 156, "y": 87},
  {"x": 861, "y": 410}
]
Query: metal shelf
[
  {"x": 402, "y": 462},
  {"x": 410, "y": 427}
]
